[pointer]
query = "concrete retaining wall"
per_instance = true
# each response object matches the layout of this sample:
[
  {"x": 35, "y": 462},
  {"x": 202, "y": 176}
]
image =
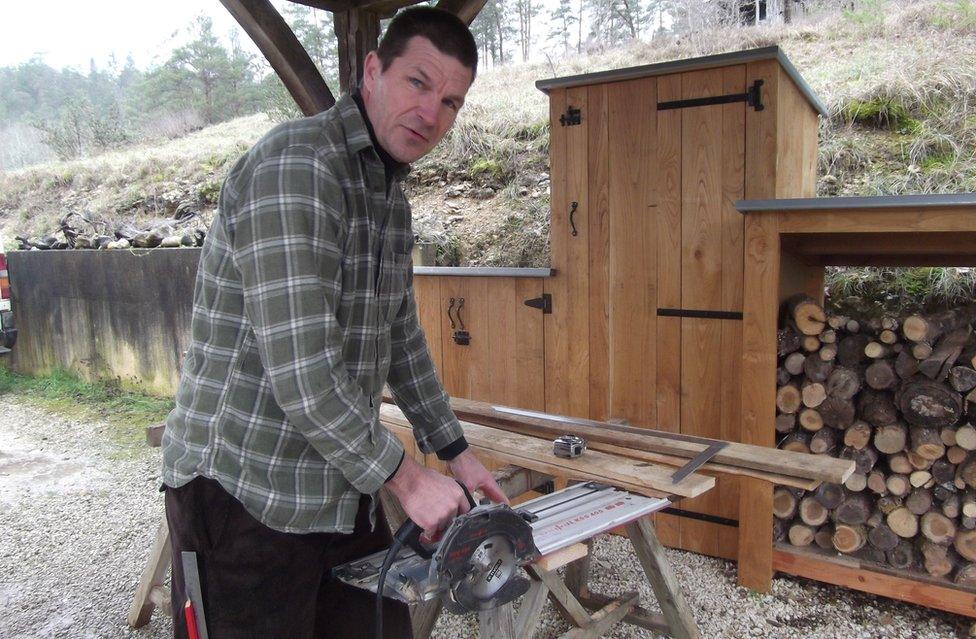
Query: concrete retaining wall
[{"x": 104, "y": 314}]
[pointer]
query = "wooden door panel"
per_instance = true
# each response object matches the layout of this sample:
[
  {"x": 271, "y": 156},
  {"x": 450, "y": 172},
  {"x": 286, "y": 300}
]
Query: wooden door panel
[
  {"x": 633, "y": 254},
  {"x": 466, "y": 367},
  {"x": 667, "y": 230},
  {"x": 713, "y": 157},
  {"x": 426, "y": 290},
  {"x": 567, "y": 328}
]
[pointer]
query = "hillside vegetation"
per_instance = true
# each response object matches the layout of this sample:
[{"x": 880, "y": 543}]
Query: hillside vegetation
[{"x": 899, "y": 81}]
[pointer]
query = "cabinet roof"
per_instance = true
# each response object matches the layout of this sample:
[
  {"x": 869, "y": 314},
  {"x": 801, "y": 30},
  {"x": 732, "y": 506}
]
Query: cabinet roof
[
  {"x": 847, "y": 203},
  {"x": 689, "y": 64}
]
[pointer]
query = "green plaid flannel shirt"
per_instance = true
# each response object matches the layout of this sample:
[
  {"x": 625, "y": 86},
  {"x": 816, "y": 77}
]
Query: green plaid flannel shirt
[{"x": 303, "y": 308}]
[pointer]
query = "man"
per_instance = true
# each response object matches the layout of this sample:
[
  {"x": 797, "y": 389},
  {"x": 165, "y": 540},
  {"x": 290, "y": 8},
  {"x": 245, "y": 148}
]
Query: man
[{"x": 303, "y": 308}]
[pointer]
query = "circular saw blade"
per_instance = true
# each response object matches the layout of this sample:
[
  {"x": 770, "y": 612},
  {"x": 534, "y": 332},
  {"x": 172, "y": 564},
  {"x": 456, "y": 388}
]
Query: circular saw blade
[{"x": 479, "y": 557}]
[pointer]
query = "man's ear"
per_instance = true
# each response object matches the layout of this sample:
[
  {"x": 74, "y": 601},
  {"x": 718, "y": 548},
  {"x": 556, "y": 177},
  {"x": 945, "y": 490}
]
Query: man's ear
[{"x": 372, "y": 68}]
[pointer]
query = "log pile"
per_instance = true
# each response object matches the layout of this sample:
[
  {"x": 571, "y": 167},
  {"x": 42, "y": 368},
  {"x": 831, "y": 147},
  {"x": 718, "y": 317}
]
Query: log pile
[{"x": 898, "y": 397}]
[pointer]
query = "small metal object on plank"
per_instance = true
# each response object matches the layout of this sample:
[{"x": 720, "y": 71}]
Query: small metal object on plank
[
  {"x": 191, "y": 582},
  {"x": 698, "y": 461},
  {"x": 568, "y": 446}
]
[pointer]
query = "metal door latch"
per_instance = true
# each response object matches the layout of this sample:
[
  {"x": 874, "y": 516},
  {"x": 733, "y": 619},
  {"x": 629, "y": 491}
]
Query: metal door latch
[
  {"x": 461, "y": 336},
  {"x": 568, "y": 446}
]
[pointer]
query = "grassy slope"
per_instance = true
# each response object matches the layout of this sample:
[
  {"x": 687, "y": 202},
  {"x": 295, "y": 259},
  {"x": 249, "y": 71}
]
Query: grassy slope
[{"x": 898, "y": 78}]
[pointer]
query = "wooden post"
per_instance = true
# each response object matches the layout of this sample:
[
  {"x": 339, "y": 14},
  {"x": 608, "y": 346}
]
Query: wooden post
[
  {"x": 358, "y": 32},
  {"x": 152, "y": 578}
]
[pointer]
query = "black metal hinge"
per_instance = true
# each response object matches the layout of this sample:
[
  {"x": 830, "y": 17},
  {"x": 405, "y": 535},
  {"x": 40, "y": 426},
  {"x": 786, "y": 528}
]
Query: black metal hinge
[
  {"x": 752, "y": 97},
  {"x": 572, "y": 117},
  {"x": 544, "y": 303}
]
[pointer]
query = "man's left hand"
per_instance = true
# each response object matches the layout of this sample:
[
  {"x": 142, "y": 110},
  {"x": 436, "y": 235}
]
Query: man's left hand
[{"x": 469, "y": 471}]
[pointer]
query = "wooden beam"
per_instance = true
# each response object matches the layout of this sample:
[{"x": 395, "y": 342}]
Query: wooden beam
[
  {"x": 818, "y": 467},
  {"x": 467, "y": 10},
  {"x": 288, "y": 58},
  {"x": 358, "y": 32},
  {"x": 529, "y": 452}
]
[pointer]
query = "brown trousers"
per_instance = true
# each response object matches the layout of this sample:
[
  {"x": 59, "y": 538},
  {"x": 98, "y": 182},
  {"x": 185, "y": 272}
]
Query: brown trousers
[{"x": 259, "y": 583}]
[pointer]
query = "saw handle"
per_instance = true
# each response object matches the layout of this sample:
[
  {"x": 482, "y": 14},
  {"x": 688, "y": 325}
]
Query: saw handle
[{"x": 408, "y": 534}]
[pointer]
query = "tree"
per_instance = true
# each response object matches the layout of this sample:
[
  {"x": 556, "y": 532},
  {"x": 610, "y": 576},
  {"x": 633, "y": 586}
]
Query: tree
[
  {"x": 491, "y": 30},
  {"x": 561, "y": 22},
  {"x": 316, "y": 31},
  {"x": 205, "y": 75},
  {"x": 526, "y": 11}
]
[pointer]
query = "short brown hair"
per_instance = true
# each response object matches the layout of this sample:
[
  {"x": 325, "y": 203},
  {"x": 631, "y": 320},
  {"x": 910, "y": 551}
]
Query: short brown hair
[{"x": 446, "y": 32}]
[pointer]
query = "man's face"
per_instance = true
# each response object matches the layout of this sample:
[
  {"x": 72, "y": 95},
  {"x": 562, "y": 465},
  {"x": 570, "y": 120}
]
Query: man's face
[{"x": 414, "y": 102}]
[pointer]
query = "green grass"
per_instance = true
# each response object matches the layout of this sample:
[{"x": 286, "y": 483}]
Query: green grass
[{"x": 127, "y": 412}]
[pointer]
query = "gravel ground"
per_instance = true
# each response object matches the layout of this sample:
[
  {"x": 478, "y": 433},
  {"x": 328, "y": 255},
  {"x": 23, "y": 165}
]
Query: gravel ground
[{"x": 77, "y": 515}]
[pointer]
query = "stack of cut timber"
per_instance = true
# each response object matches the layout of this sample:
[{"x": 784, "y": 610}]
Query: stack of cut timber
[{"x": 898, "y": 397}]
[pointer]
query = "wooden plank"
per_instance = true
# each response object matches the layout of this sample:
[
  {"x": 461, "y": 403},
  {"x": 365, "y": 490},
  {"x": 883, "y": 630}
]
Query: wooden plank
[
  {"x": 857, "y": 577},
  {"x": 819, "y": 467},
  {"x": 761, "y": 281},
  {"x": 530, "y": 609},
  {"x": 497, "y": 622},
  {"x": 567, "y": 328},
  {"x": 565, "y": 602},
  {"x": 529, "y": 366},
  {"x": 563, "y": 556},
  {"x": 605, "y": 618},
  {"x": 600, "y": 254},
  {"x": 536, "y": 454},
  {"x": 153, "y": 575},
  {"x": 638, "y": 616},
  {"x": 796, "y": 143},
  {"x": 733, "y": 230},
  {"x": 667, "y": 186},
  {"x": 633, "y": 254},
  {"x": 466, "y": 368},
  {"x": 663, "y": 581},
  {"x": 711, "y": 468},
  {"x": 958, "y": 219},
  {"x": 430, "y": 309},
  {"x": 702, "y": 283},
  {"x": 761, "y": 132}
]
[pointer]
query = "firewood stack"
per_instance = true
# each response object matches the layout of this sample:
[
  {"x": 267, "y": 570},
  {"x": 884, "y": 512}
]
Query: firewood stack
[{"x": 898, "y": 398}]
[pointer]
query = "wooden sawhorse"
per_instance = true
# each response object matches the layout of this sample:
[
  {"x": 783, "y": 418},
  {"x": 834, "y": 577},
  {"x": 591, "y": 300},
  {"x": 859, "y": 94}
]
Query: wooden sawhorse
[{"x": 572, "y": 596}]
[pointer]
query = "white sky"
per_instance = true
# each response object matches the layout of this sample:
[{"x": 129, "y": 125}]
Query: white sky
[{"x": 69, "y": 33}]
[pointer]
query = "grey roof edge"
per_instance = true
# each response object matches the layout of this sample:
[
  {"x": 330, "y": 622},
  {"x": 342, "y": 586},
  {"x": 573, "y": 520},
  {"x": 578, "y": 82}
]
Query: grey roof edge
[
  {"x": 844, "y": 203},
  {"x": 689, "y": 64},
  {"x": 482, "y": 271}
]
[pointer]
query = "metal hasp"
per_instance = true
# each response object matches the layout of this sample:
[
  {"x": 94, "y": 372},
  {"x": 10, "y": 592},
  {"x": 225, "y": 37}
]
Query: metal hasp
[
  {"x": 572, "y": 117},
  {"x": 543, "y": 303},
  {"x": 752, "y": 97}
]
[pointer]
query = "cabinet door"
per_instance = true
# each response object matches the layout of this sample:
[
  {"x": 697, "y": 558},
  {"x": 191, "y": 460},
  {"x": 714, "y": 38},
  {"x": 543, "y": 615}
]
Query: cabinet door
[
  {"x": 712, "y": 179},
  {"x": 567, "y": 328},
  {"x": 502, "y": 361},
  {"x": 426, "y": 290}
]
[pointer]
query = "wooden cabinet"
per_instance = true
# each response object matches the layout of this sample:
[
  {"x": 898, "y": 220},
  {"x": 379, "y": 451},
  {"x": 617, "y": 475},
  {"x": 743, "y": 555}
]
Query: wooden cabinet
[
  {"x": 500, "y": 359},
  {"x": 647, "y": 246}
]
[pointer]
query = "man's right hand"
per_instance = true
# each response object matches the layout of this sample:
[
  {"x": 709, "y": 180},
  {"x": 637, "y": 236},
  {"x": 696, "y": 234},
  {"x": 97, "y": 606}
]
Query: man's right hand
[{"x": 430, "y": 499}]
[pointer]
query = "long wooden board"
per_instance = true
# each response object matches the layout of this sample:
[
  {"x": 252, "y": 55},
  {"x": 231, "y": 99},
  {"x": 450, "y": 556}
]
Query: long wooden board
[
  {"x": 818, "y": 467},
  {"x": 536, "y": 454},
  {"x": 851, "y": 573}
]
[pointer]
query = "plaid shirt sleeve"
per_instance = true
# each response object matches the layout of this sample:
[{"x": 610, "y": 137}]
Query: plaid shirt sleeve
[
  {"x": 286, "y": 247},
  {"x": 414, "y": 383}
]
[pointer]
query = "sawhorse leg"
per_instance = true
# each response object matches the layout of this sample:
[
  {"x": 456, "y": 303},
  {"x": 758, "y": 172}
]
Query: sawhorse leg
[
  {"x": 573, "y": 598},
  {"x": 150, "y": 592}
]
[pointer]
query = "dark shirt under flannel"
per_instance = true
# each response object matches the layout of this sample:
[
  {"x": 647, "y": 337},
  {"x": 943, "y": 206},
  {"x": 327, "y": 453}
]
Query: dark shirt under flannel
[{"x": 303, "y": 308}]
